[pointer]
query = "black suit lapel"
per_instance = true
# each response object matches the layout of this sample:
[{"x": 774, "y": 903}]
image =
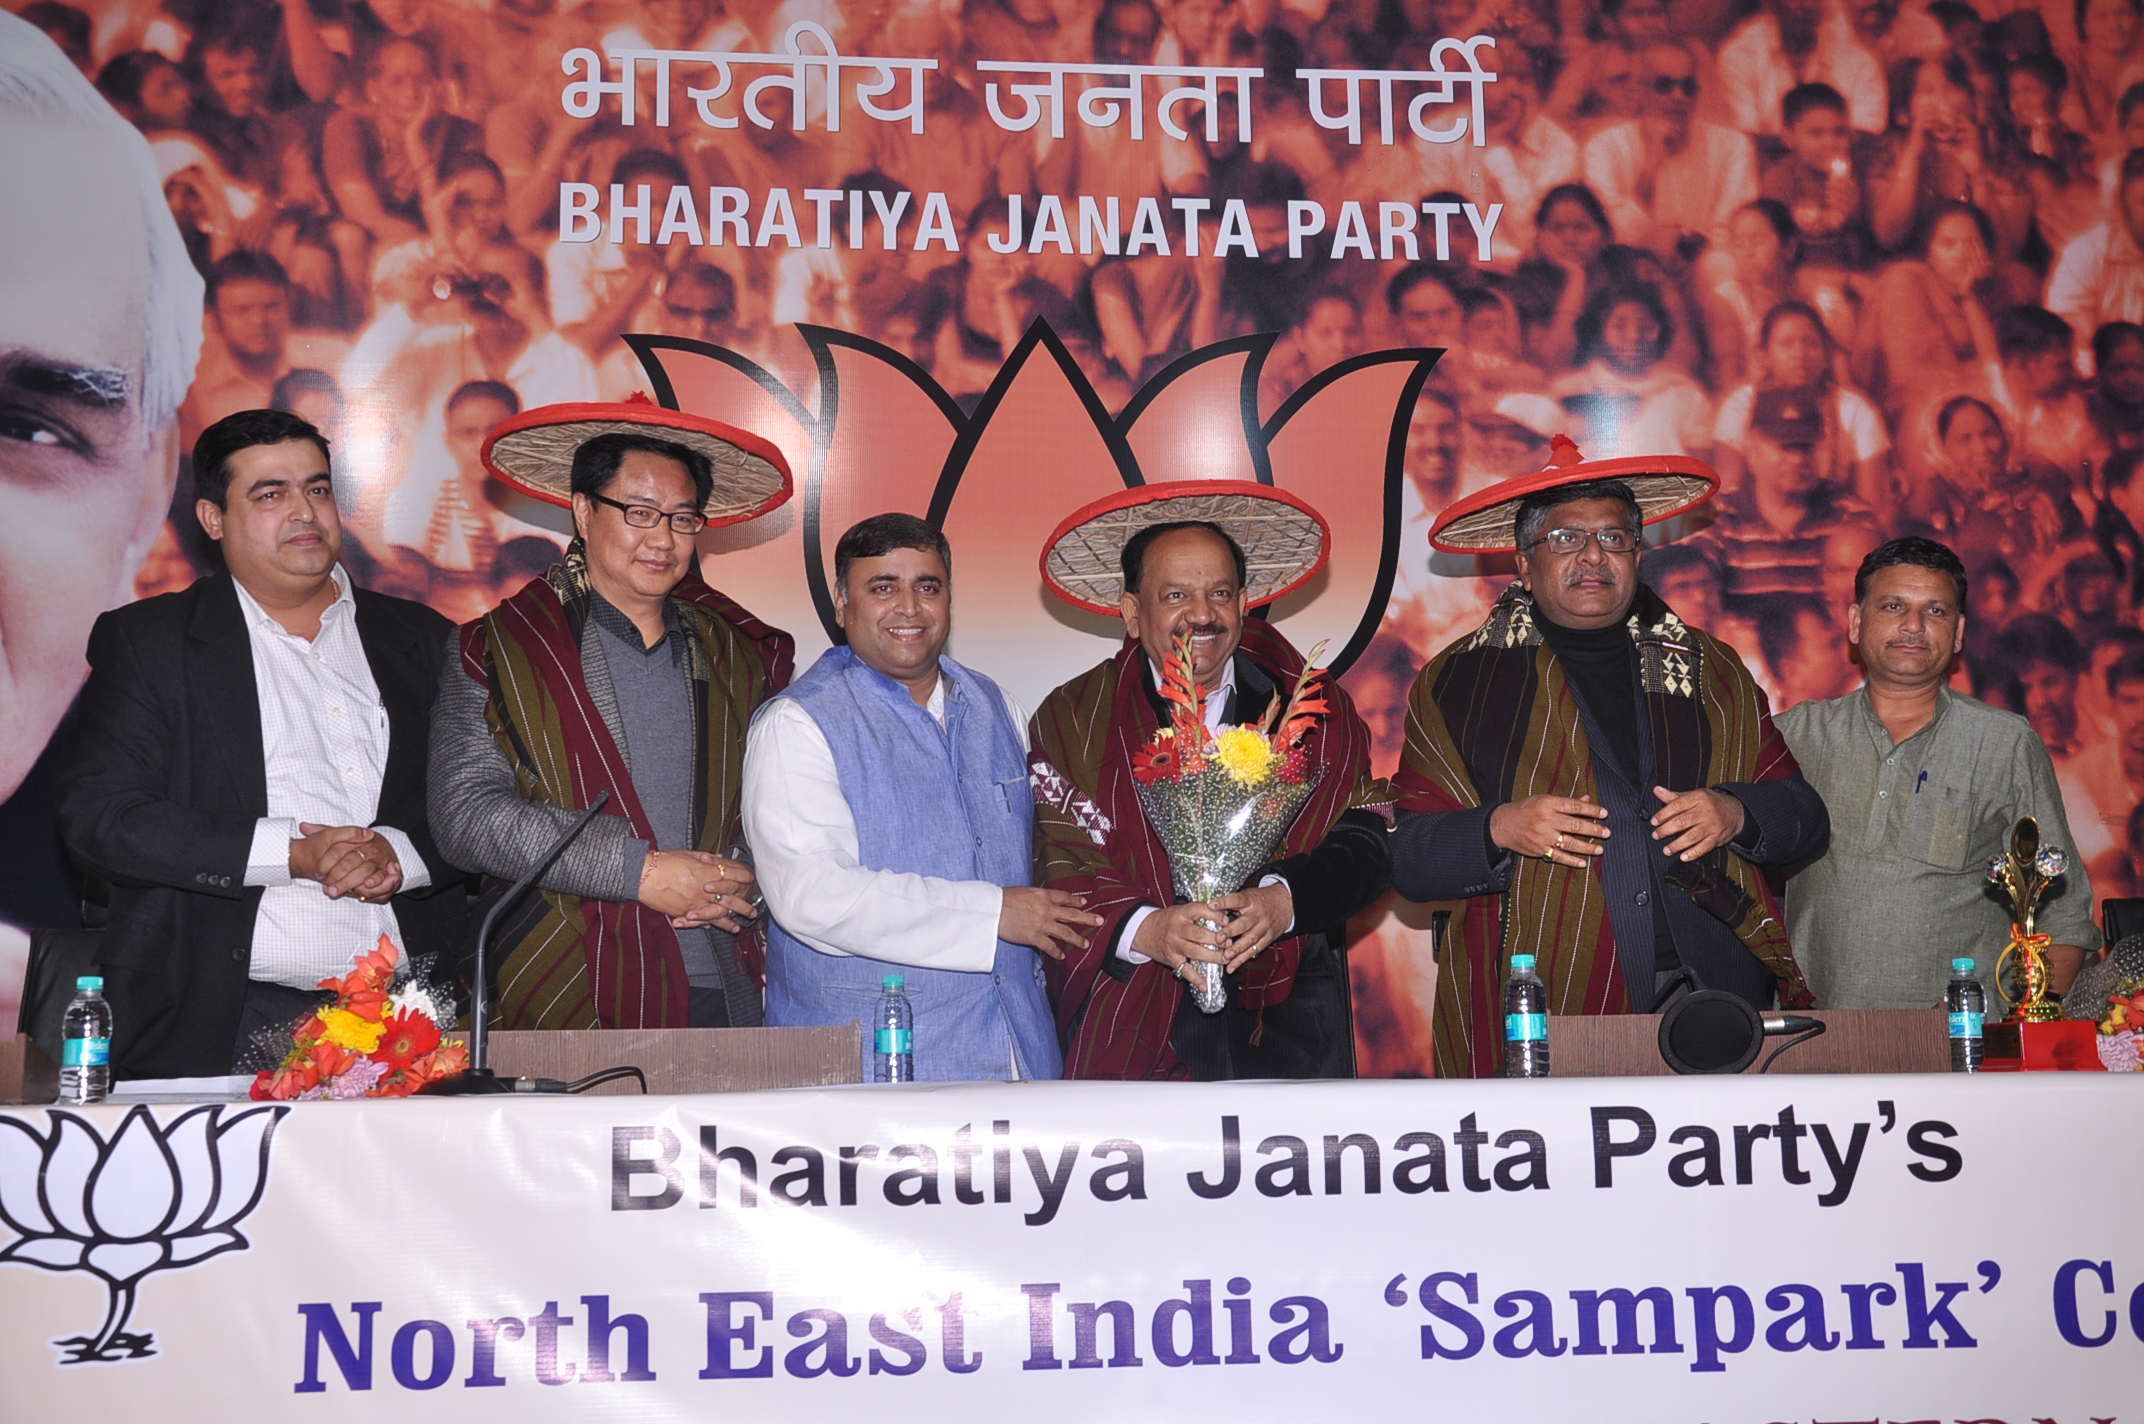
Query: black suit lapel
[
  {"x": 1253, "y": 695},
  {"x": 406, "y": 688},
  {"x": 220, "y": 670}
]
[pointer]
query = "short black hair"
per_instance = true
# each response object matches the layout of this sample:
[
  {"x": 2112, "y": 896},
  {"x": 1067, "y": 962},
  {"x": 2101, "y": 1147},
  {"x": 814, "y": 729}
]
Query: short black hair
[
  {"x": 2129, "y": 667},
  {"x": 2120, "y": 471},
  {"x": 1585, "y": 200},
  {"x": 2033, "y": 639},
  {"x": 302, "y": 380},
  {"x": 1533, "y": 510},
  {"x": 880, "y": 535},
  {"x": 2114, "y": 333},
  {"x": 244, "y": 265},
  {"x": 596, "y": 462},
  {"x": 215, "y": 446},
  {"x": 1956, "y": 406},
  {"x": 1921, "y": 553},
  {"x": 1804, "y": 97},
  {"x": 496, "y": 391},
  {"x": 1593, "y": 319},
  {"x": 1132, "y": 561},
  {"x": 1413, "y": 275},
  {"x": 2132, "y": 100},
  {"x": 2023, "y": 331}
]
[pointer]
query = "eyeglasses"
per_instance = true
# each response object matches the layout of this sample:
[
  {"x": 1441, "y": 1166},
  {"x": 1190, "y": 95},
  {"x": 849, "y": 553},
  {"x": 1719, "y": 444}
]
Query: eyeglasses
[
  {"x": 641, "y": 516},
  {"x": 1668, "y": 84},
  {"x": 1571, "y": 541}
]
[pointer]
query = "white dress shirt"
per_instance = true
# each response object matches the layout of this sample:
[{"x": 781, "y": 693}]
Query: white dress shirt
[
  {"x": 1216, "y": 708},
  {"x": 805, "y": 853},
  {"x": 324, "y": 736}
]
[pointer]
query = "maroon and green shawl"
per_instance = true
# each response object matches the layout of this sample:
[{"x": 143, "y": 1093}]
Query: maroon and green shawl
[
  {"x": 1493, "y": 719},
  {"x": 1092, "y": 837},
  {"x": 570, "y": 962}
]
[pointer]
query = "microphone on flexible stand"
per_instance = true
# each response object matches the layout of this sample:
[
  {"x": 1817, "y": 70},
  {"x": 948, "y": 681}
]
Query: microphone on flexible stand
[
  {"x": 1714, "y": 1032},
  {"x": 479, "y": 1078}
]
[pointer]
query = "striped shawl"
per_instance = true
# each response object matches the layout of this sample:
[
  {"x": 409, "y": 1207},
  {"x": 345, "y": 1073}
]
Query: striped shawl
[
  {"x": 568, "y": 962},
  {"x": 1092, "y": 837},
  {"x": 1492, "y": 719}
]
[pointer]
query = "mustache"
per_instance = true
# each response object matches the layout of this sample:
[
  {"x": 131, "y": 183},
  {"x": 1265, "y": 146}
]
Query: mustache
[{"x": 1605, "y": 573}]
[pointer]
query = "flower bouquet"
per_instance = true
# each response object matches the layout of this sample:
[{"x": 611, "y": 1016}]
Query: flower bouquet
[
  {"x": 378, "y": 1038},
  {"x": 1220, "y": 801},
  {"x": 2121, "y": 1032}
]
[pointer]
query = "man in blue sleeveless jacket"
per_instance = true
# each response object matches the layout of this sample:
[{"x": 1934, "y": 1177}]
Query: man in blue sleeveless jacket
[{"x": 887, "y": 803}]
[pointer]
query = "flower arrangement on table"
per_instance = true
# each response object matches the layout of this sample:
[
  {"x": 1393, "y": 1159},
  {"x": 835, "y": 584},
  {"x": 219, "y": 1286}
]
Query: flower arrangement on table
[
  {"x": 1220, "y": 801},
  {"x": 379, "y": 1038},
  {"x": 2121, "y": 1032}
]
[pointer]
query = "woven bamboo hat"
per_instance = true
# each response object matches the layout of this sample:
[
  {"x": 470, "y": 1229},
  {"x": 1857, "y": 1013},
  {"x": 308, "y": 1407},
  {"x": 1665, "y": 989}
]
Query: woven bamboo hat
[
  {"x": 1486, "y": 521},
  {"x": 533, "y": 452},
  {"x": 1283, "y": 539}
]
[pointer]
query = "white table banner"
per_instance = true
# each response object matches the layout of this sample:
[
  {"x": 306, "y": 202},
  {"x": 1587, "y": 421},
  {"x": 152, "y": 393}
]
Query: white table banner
[{"x": 1660, "y": 1251}]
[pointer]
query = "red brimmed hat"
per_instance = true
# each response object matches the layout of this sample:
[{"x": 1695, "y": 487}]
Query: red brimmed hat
[
  {"x": 533, "y": 452},
  {"x": 1486, "y": 522},
  {"x": 1283, "y": 539}
]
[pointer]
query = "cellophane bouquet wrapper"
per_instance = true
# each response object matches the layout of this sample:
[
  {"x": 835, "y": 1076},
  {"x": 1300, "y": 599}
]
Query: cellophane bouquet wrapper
[{"x": 1217, "y": 833}]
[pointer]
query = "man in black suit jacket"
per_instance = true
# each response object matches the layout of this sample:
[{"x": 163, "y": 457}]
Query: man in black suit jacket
[{"x": 247, "y": 768}]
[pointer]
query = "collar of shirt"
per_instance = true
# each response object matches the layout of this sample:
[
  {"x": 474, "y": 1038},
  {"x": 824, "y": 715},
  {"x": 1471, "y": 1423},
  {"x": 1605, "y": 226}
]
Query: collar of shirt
[
  {"x": 1216, "y": 700},
  {"x": 1882, "y": 734},
  {"x": 613, "y": 621},
  {"x": 344, "y": 606}
]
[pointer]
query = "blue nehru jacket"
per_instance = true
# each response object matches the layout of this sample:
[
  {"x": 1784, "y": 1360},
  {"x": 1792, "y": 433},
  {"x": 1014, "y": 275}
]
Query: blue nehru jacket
[{"x": 951, "y": 802}]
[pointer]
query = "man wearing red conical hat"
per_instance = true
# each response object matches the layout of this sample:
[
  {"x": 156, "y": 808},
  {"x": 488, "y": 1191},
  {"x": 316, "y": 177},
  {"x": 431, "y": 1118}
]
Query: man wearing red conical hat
[
  {"x": 1598, "y": 780},
  {"x": 1197, "y": 556},
  {"x": 619, "y": 671}
]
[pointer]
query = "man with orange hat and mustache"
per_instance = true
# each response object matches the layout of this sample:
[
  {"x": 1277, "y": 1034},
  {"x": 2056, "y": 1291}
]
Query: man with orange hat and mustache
[{"x": 1194, "y": 557}]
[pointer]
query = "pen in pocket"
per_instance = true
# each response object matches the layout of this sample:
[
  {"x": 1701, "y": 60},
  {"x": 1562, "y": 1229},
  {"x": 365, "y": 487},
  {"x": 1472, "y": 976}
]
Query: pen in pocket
[{"x": 1920, "y": 783}]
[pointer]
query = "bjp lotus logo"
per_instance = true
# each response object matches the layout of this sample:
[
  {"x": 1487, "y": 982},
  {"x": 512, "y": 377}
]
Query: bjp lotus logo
[
  {"x": 148, "y": 1198},
  {"x": 871, "y": 431}
]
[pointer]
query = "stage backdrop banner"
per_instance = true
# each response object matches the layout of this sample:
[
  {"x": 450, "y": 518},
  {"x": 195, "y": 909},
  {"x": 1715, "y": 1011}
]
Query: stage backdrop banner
[{"x": 1732, "y": 1252}]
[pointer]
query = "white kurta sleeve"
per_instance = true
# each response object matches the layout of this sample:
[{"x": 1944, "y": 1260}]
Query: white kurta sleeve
[{"x": 804, "y": 849}]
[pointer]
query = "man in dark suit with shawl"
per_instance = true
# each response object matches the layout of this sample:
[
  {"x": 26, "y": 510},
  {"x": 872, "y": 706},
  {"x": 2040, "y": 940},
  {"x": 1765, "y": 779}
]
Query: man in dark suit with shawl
[
  {"x": 1195, "y": 558},
  {"x": 1598, "y": 780}
]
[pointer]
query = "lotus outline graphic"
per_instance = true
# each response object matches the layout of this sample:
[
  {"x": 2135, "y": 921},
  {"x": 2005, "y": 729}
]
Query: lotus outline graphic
[
  {"x": 149, "y": 1198},
  {"x": 867, "y": 430}
]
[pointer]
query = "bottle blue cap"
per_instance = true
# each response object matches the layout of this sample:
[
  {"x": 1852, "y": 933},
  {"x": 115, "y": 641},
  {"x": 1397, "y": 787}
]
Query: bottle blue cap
[
  {"x": 1961, "y": 966},
  {"x": 88, "y": 982},
  {"x": 1522, "y": 961},
  {"x": 892, "y": 981}
]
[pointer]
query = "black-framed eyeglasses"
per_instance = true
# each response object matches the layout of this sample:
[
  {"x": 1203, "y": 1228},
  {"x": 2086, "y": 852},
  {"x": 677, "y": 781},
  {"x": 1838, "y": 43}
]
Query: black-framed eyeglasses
[
  {"x": 1686, "y": 85},
  {"x": 1571, "y": 541},
  {"x": 642, "y": 516}
]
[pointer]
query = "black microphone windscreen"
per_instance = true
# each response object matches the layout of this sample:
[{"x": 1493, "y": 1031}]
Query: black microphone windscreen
[{"x": 1710, "y": 1032}]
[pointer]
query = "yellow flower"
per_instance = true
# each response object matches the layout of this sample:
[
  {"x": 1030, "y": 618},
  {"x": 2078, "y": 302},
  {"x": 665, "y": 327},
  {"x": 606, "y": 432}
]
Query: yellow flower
[
  {"x": 1246, "y": 754},
  {"x": 346, "y": 1030}
]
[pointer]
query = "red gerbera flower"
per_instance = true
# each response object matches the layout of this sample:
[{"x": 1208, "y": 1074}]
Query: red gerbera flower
[
  {"x": 409, "y": 1036},
  {"x": 1157, "y": 761}
]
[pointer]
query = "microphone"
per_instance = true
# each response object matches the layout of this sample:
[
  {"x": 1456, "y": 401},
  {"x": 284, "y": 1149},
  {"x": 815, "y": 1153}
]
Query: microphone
[
  {"x": 479, "y": 1078},
  {"x": 1710, "y": 1031}
]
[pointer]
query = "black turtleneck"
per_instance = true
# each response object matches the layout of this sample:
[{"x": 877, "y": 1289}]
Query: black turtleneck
[{"x": 1598, "y": 663}]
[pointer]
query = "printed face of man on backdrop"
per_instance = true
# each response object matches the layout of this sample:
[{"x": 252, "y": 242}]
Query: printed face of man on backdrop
[{"x": 84, "y": 478}]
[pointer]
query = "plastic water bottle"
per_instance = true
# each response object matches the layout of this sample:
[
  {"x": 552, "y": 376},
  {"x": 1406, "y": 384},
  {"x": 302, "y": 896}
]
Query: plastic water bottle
[
  {"x": 1525, "y": 1021},
  {"x": 894, "y": 1055},
  {"x": 1967, "y": 1003},
  {"x": 86, "y": 1047}
]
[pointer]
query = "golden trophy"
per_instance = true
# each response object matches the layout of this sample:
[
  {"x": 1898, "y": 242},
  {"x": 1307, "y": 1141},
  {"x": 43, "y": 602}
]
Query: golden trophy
[{"x": 2023, "y": 875}]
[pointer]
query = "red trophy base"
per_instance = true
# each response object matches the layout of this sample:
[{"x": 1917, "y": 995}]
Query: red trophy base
[{"x": 2062, "y": 1046}]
